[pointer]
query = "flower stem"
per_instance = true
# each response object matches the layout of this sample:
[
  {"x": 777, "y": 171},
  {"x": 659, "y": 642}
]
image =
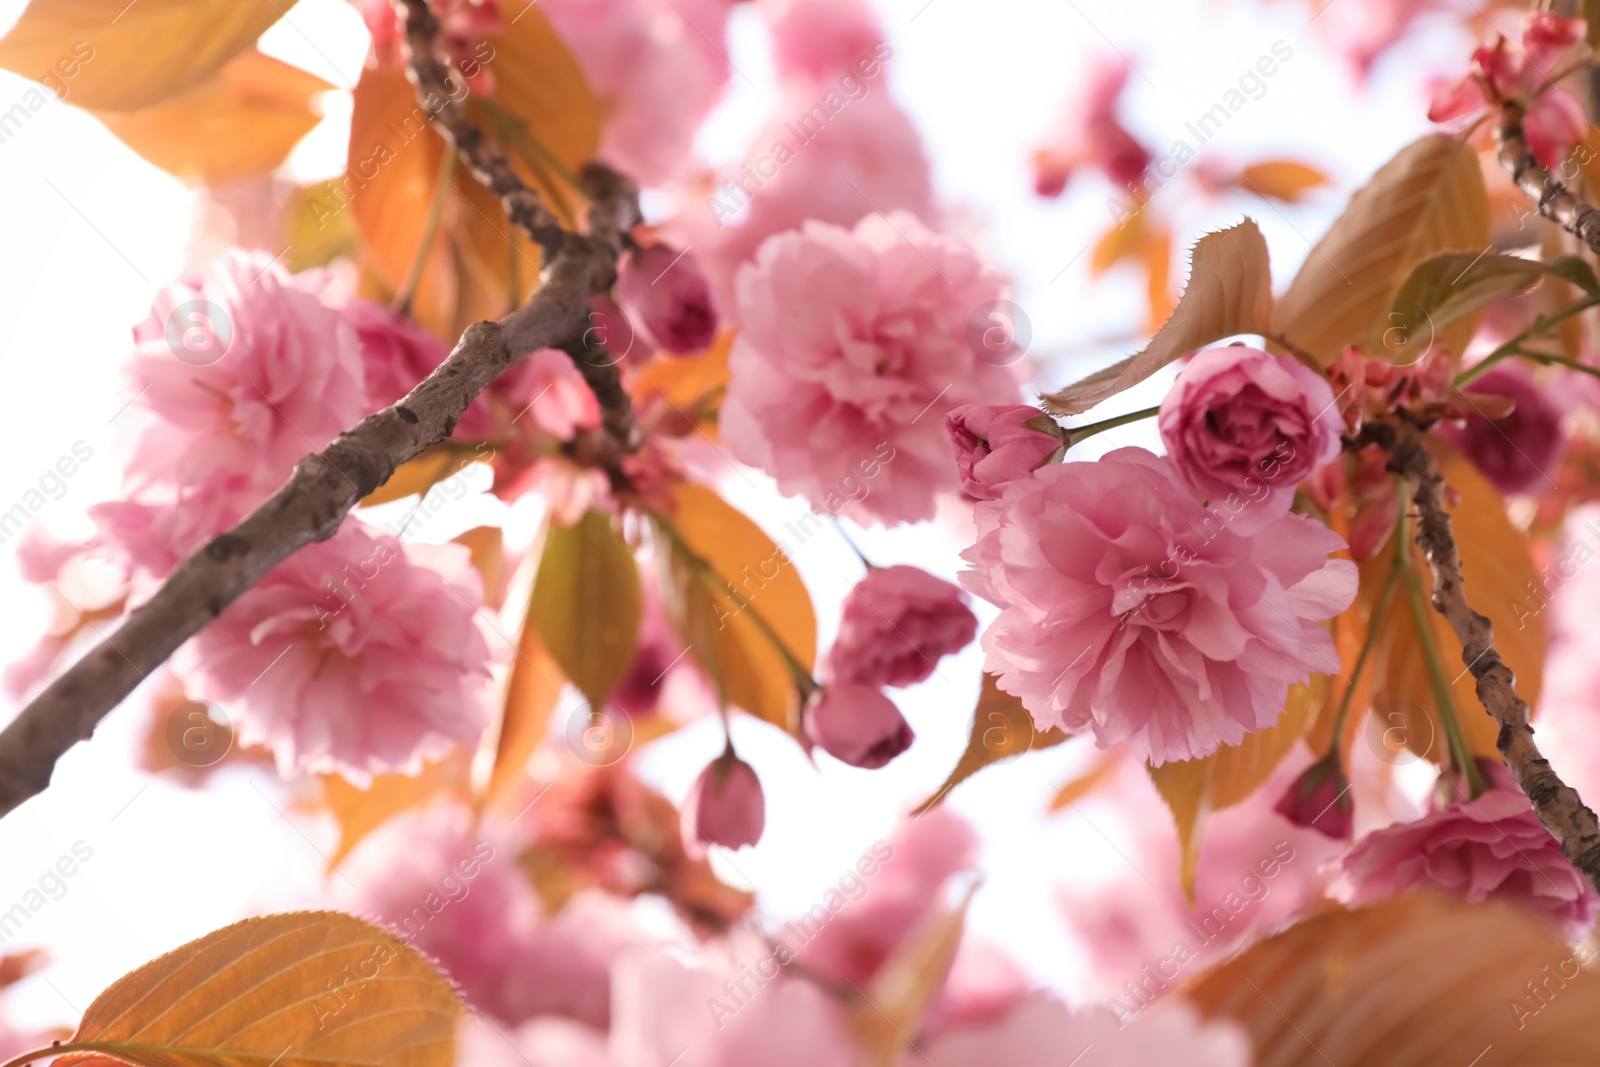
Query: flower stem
[
  {"x": 1076, "y": 434},
  {"x": 1513, "y": 347},
  {"x": 430, "y": 231}
]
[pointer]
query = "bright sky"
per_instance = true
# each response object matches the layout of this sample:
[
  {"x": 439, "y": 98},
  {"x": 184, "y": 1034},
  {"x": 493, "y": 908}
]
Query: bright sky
[{"x": 91, "y": 231}]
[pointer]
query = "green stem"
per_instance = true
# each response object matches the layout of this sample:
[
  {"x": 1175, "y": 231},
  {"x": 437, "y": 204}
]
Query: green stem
[
  {"x": 1380, "y": 612},
  {"x": 430, "y": 230},
  {"x": 715, "y": 582},
  {"x": 1076, "y": 434},
  {"x": 1562, "y": 361},
  {"x": 1541, "y": 324},
  {"x": 1461, "y": 753}
]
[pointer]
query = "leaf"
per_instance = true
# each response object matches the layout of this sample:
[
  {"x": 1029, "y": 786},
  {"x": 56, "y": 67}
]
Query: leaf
[
  {"x": 1001, "y": 730},
  {"x": 1193, "y": 789},
  {"x": 296, "y": 990},
  {"x": 532, "y": 690},
  {"x": 1287, "y": 180},
  {"x": 359, "y": 811},
  {"x": 586, "y": 604},
  {"x": 728, "y": 641},
  {"x": 1417, "y": 980},
  {"x": 1098, "y": 773},
  {"x": 691, "y": 388},
  {"x": 1229, "y": 292},
  {"x": 904, "y": 987},
  {"x": 113, "y": 55},
  {"x": 488, "y": 547},
  {"x": 316, "y": 234},
  {"x": 242, "y": 120},
  {"x": 1498, "y": 570},
  {"x": 1428, "y": 199},
  {"x": 1448, "y": 287}
]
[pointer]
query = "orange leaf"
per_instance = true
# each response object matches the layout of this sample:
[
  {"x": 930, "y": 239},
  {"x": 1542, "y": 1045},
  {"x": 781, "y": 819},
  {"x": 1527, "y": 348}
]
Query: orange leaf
[
  {"x": 1282, "y": 179},
  {"x": 531, "y": 694},
  {"x": 1417, "y": 980},
  {"x": 113, "y": 55},
  {"x": 297, "y": 990},
  {"x": 242, "y": 120},
  {"x": 361, "y": 811},
  {"x": 1001, "y": 730}
]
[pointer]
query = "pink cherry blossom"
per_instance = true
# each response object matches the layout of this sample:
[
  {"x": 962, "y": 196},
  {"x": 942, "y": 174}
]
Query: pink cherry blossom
[
  {"x": 853, "y": 342},
  {"x": 1089, "y": 134},
  {"x": 1520, "y": 451},
  {"x": 995, "y": 443},
  {"x": 821, "y": 39},
  {"x": 1131, "y": 611},
  {"x": 862, "y": 156},
  {"x": 550, "y": 391},
  {"x": 902, "y": 881},
  {"x": 896, "y": 624},
  {"x": 451, "y": 887},
  {"x": 669, "y": 298},
  {"x": 983, "y": 986},
  {"x": 1245, "y": 424},
  {"x": 725, "y": 806},
  {"x": 545, "y": 1041},
  {"x": 1489, "y": 848},
  {"x": 856, "y": 724},
  {"x": 1041, "y": 1031},
  {"x": 357, "y": 655},
  {"x": 657, "y": 66},
  {"x": 396, "y": 354},
  {"x": 1363, "y": 30}
]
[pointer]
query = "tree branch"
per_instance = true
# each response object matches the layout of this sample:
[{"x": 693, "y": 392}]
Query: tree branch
[
  {"x": 1558, "y": 805},
  {"x": 313, "y": 502},
  {"x": 1555, "y": 201}
]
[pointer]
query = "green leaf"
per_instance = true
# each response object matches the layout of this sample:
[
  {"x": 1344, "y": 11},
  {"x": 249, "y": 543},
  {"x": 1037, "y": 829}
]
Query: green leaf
[
  {"x": 586, "y": 603},
  {"x": 1447, "y": 288}
]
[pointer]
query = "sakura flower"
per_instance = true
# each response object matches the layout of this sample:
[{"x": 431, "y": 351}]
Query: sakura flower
[
  {"x": 657, "y": 66},
  {"x": 450, "y": 886},
  {"x": 1519, "y": 451},
  {"x": 725, "y": 806},
  {"x": 396, "y": 354},
  {"x": 1131, "y": 611},
  {"x": 239, "y": 372},
  {"x": 896, "y": 624},
  {"x": 996, "y": 443},
  {"x": 357, "y": 655},
  {"x": 822, "y": 39},
  {"x": 1245, "y": 424},
  {"x": 669, "y": 297},
  {"x": 1090, "y": 136},
  {"x": 856, "y": 724},
  {"x": 852, "y": 340},
  {"x": 1555, "y": 119},
  {"x": 1492, "y": 847},
  {"x": 554, "y": 396}
]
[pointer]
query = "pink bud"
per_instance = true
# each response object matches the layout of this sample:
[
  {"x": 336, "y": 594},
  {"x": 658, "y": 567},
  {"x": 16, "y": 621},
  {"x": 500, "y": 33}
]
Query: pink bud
[
  {"x": 857, "y": 724},
  {"x": 1520, "y": 450},
  {"x": 725, "y": 806},
  {"x": 896, "y": 624},
  {"x": 996, "y": 443},
  {"x": 1320, "y": 800},
  {"x": 669, "y": 298},
  {"x": 609, "y": 325}
]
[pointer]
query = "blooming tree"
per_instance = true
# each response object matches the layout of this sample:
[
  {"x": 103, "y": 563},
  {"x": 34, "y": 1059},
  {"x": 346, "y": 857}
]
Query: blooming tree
[{"x": 1297, "y": 642}]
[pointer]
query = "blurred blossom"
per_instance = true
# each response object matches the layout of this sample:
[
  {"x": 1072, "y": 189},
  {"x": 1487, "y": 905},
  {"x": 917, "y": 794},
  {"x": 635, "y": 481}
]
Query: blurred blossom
[
  {"x": 1520, "y": 451},
  {"x": 851, "y": 350},
  {"x": 668, "y": 297},
  {"x": 1089, "y": 134},
  {"x": 821, "y": 39},
  {"x": 724, "y": 806},
  {"x": 896, "y": 624}
]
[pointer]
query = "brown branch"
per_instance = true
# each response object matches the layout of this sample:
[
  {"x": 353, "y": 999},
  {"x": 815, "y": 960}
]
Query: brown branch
[
  {"x": 313, "y": 502},
  {"x": 1555, "y": 201},
  {"x": 1559, "y": 807}
]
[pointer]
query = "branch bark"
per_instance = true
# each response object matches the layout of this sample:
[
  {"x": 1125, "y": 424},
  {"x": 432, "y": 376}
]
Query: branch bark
[
  {"x": 313, "y": 502},
  {"x": 1555, "y": 201},
  {"x": 1558, "y": 805}
]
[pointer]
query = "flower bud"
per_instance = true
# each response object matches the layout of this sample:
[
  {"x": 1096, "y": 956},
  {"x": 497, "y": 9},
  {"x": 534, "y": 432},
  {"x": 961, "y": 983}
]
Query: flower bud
[
  {"x": 896, "y": 624},
  {"x": 996, "y": 443},
  {"x": 1517, "y": 450},
  {"x": 725, "y": 806},
  {"x": 856, "y": 724},
  {"x": 668, "y": 298},
  {"x": 1320, "y": 800}
]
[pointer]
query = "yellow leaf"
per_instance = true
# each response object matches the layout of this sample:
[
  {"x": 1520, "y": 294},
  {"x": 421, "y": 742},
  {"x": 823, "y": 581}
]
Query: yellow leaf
[
  {"x": 1282, "y": 179},
  {"x": 1417, "y": 980},
  {"x": 113, "y": 55},
  {"x": 1229, "y": 292},
  {"x": 361, "y": 811},
  {"x": 1122, "y": 241},
  {"x": 1001, "y": 729},
  {"x": 531, "y": 694},
  {"x": 901, "y": 992},
  {"x": 586, "y": 603},
  {"x": 692, "y": 388},
  {"x": 296, "y": 990},
  {"x": 316, "y": 234},
  {"x": 242, "y": 120},
  {"x": 1193, "y": 789},
  {"x": 1498, "y": 570},
  {"x": 1098, "y": 773},
  {"x": 1428, "y": 199},
  {"x": 488, "y": 547},
  {"x": 729, "y": 641}
]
